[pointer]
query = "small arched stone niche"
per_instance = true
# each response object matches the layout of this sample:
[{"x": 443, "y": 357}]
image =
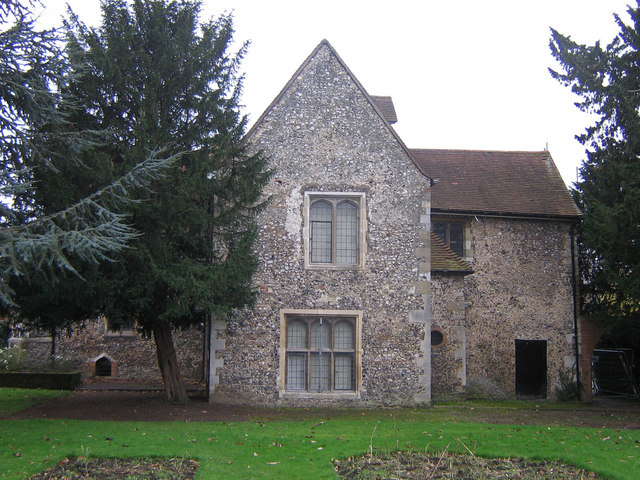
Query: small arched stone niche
[{"x": 103, "y": 366}]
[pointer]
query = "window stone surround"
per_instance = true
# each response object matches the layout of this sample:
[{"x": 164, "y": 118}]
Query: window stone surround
[
  {"x": 283, "y": 393},
  {"x": 357, "y": 197}
]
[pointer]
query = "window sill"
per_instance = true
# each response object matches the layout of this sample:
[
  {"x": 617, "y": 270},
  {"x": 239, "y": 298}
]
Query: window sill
[
  {"x": 320, "y": 395},
  {"x": 330, "y": 266}
]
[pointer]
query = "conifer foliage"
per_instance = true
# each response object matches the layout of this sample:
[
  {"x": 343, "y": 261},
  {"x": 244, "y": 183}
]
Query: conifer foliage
[
  {"x": 40, "y": 242},
  {"x": 157, "y": 77},
  {"x": 607, "y": 82}
]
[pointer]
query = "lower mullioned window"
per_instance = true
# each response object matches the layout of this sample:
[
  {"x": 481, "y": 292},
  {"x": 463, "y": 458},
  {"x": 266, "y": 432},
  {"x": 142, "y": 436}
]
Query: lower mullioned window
[{"x": 321, "y": 353}]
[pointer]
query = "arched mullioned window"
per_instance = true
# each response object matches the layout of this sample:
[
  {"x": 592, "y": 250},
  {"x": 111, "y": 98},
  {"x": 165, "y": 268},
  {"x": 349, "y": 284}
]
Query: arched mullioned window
[
  {"x": 320, "y": 354},
  {"x": 334, "y": 231}
]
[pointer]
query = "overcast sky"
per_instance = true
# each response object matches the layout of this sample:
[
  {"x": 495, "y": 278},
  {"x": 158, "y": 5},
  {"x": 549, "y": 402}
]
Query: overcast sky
[{"x": 464, "y": 74}]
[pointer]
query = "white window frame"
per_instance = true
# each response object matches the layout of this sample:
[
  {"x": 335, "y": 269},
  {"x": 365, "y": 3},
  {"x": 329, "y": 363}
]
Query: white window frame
[
  {"x": 356, "y": 316},
  {"x": 359, "y": 199}
]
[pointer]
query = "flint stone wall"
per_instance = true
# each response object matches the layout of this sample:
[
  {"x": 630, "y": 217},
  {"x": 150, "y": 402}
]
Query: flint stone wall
[
  {"x": 449, "y": 359},
  {"x": 136, "y": 355},
  {"x": 521, "y": 289},
  {"x": 324, "y": 135}
]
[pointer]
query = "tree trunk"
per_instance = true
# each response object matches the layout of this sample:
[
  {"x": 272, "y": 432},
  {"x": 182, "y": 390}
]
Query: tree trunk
[
  {"x": 206, "y": 353},
  {"x": 52, "y": 353},
  {"x": 168, "y": 362}
]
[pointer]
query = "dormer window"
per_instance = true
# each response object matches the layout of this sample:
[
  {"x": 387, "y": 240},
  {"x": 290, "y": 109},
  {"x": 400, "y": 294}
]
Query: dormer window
[{"x": 451, "y": 233}]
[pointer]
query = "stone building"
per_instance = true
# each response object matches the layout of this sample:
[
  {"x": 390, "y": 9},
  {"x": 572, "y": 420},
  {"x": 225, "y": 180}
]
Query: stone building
[
  {"x": 343, "y": 248},
  {"x": 507, "y": 318},
  {"x": 388, "y": 275}
]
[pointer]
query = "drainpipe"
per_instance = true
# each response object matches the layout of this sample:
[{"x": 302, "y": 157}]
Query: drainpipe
[{"x": 574, "y": 288}]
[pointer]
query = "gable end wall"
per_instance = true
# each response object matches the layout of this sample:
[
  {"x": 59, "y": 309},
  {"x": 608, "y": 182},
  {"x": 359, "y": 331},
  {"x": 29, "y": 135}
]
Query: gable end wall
[{"x": 324, "y": 136}]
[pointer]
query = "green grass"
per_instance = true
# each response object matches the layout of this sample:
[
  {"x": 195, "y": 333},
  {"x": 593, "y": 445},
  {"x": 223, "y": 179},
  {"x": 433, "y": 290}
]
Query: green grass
[
  {"x": 13, "y": 400},
  {"x": 298, "y": 449},
  {"x": 304, "y": 448}
]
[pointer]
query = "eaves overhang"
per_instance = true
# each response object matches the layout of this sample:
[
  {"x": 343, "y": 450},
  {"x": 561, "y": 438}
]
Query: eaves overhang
[{"x": 510, "y": 215}]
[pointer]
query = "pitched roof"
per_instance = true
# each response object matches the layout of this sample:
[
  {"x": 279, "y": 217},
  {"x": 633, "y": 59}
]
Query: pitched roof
[
  {"x": 496, "y": 183},
  {"x": 386, "y": 107},
  {"x": 445, "y": 260}
]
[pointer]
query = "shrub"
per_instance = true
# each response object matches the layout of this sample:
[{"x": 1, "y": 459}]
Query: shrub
[
  {"x": 567, "y": 388},
  {"x": 13, "y": 359}
]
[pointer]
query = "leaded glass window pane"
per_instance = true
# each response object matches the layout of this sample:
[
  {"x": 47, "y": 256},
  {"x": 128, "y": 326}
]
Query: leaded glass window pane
[
  {"x": 440, "y": 229},
  {"x": 296, "y": 334},
  {"x": 320, "y": 371},
  {"x": 321, "y": 218},
  {"x": 297, "y": 371},
  {"x": 343, "y": 377},
  {"x": 343, "y": 335},
  {"x": 321, "y": 335},
  {"x": 346, "y": 233},
  {"x": 456, "y": 238},
  {"x": 451, "y": 233}
]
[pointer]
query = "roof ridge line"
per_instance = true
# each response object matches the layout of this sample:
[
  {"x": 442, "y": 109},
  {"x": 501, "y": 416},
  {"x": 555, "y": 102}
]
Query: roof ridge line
[{"x": 545, "y": 152}]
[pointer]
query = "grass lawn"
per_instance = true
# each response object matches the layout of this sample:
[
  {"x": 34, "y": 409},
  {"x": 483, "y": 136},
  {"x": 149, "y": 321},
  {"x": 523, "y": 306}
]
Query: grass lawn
[{"x": 303, "y": 449}]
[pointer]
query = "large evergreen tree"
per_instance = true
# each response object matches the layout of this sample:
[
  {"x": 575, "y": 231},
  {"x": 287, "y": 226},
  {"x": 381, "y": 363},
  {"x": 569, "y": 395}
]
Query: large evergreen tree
[
  {"x": 158, "y": 77},
  {"x": 36, "y": 140},
  {"x": 607, "y": 81}
]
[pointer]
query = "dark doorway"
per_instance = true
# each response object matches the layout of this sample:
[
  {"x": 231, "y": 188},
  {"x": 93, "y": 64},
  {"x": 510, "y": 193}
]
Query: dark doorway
[{"x": 531, "y": 369}]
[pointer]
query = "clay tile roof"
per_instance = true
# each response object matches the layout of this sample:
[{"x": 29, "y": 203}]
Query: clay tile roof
[
  {"x": 385, "y": 105},
  {"x": 443, "y": 259},
  {"x": 496, "y": 183}
]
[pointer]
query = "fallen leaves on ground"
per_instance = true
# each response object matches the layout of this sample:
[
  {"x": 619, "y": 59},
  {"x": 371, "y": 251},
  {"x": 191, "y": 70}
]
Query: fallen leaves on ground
[{"x": 118, "y": 468}]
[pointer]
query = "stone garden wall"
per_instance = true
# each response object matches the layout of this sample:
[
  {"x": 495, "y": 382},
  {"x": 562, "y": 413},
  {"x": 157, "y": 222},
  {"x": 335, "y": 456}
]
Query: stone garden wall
[{"x": 134, "y": 355}]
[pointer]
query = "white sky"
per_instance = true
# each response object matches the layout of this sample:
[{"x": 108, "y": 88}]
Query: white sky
[{"x": 465, "y": 74}]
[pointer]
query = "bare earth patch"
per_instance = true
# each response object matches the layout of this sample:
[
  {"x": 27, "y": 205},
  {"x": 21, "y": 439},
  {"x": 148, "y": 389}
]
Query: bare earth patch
[
  {"x": 417, "y": 466},
  {"x": 149, "y": 406},
  {"x": 120, "y": 469}
]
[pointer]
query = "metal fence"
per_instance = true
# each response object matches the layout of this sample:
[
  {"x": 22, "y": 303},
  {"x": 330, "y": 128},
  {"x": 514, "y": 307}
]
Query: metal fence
[{"x": 614, "y": 373}]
